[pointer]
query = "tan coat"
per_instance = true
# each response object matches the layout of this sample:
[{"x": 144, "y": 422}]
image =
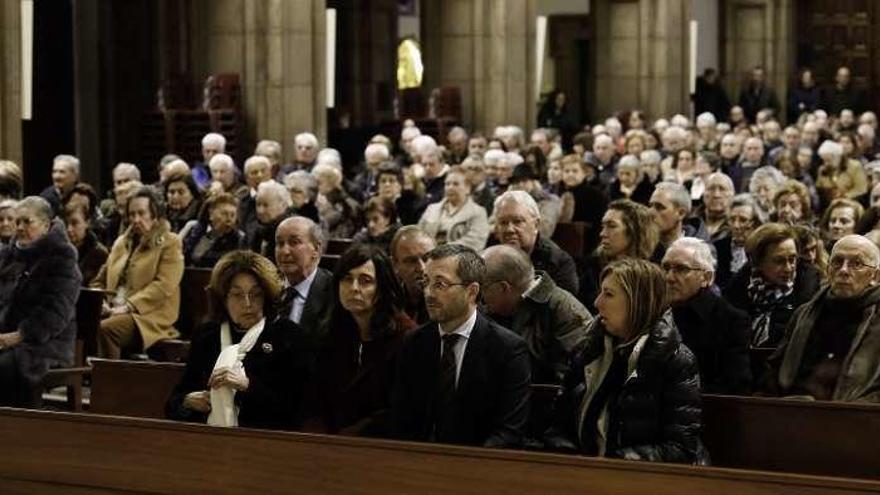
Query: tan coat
[{"x": 152, "y": 285}]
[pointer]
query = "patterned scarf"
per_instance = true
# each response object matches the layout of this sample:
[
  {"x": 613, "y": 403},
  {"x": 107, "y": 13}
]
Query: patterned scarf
[{"x": 765, "y": 298}]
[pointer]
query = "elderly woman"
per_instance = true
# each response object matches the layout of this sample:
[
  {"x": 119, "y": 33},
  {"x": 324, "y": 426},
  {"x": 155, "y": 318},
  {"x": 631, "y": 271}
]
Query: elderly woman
[
  {"x": 773, "y": 283},
  {"x": 456, "y": 219},
  {"x": 633, "y": 391},
  {"x": 792, "y": 204},
  {"x": 840, "y": 219},
  {"x": 409, "y": 203},
  {"x": 365, "y": 329},
  {"x": 339, "y": 211},
  {"x": 184, "y": 200},
  {"x": 246, "y": 367},
  {"x": 382, "y": 224},
  {"x": 303, "y": 189},
  {"x": 763, "y": 186},
  {"x": 91, "y": 254},
  {"x": 39, "y": 285},
  {"x": 223, "y": 177},
  {"x": 215, "y": 234},
  {"x": 631, "y": 182},
  {"x": 730, "y": 251},
  {"x": 142, "y": 275},
  {"x": 837, "y": 176},
  {"x": 7, "y": 221},
  {"x": 273, "y": 205}
]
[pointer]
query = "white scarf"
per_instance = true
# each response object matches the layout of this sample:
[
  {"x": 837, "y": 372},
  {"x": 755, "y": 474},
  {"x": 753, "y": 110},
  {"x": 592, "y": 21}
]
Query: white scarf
[{"x": 224, "y": 412}]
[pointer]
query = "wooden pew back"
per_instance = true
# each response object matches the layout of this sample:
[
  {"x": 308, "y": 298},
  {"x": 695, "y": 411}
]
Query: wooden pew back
[
  {"x": 133, "y": 388},
  {"x": 103, "y": 454},
  {"x": 193, "y": 300}
]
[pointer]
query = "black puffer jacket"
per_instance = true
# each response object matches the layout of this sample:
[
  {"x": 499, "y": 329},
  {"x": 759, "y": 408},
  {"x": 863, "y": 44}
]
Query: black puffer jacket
[
  {"x": 39, "y": 285},
  {"x": 657, "y": 414}
]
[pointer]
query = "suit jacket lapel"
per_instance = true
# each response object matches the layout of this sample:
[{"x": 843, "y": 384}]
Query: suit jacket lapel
[{"x": 471, "y": 363}]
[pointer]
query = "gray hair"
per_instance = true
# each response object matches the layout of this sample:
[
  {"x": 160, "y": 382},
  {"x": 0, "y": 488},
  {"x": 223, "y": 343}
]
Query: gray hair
[
  {"x": 329, "y": 156},
  {"x": 492, "y": 157},
  {"x": 70, "y": 160},
  {"x": 215, "y": 139},
  {"x": 652, "y": 157},
  {"x": 38, "y": 205},
  {"x": 766, "y": 172},
  {"x": 223, "y": 160},
  {"x": 674, "y": 132},
  {"x": 270, "y": 188},
  {"x": 316, "y": 233},
  {"x": 706, "y": 119},
  {"x": 254, "y": 160},
  {"x": 521, "y": 198},
  {"x": 508, "y": 264},
  {"x": 377, "y": 150},
  {"x": 307, "y": 139},
  {"x": 629, "y": 161},
  {"x": 830, "y": 148},
  {"x": 704, "y": 254},
  {"x": 269, "y": 148},
  {"x": 678, "y": 194},
  {"x": 873, "y": 249},
  {"x": 746, "y": 199},
  {"x": 128, "y": 169},
  {"x": 722, "y": 177},
  {"x": 304, "y": 179},
  {"x": 604, "y": 138}
]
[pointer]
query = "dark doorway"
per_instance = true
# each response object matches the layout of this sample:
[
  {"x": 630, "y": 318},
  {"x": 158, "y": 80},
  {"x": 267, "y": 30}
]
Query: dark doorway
[
  {"x": 51, "y": 129},
  {"x": 570, "y": 46}
]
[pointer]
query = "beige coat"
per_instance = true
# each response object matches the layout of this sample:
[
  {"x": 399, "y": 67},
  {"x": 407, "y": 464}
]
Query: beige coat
[
  {"x": 152, "y": 286},
  {"x": 468, "y": 226}
]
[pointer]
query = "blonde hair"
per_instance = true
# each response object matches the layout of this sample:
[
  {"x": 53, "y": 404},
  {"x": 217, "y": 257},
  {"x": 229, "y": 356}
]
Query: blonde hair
[{"x": 645, "y": 287}]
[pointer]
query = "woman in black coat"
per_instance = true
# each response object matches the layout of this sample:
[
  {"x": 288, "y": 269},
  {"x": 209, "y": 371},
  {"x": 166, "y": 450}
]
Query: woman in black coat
[
  {"x": 267, "y": 384},
  {"x": 91, "y": 254},
  {"x": 634, "y": 390},
  {"x": 215, "y": 234},
  {"x": 39, "y": 286}
]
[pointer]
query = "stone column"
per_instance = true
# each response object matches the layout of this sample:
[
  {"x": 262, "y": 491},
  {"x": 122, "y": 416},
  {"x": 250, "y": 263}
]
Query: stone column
[
  {"x": 277, "y": 47},
  {"x": 10, "y": 81}
]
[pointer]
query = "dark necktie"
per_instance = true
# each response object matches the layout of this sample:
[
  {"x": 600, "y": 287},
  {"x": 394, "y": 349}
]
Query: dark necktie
[{"x": 446, "y": 388}]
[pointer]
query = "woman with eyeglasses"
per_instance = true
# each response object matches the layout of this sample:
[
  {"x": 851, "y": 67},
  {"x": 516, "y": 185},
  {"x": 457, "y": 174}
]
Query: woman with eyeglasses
[
  {"x": 245, "y": 368},
  {"x": 365, "y": 329},
  {"x": 773, "y": 283},
  {"x": 39, "y": 285}
]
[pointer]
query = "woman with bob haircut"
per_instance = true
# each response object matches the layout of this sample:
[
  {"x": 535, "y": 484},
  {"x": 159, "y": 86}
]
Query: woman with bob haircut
[
  {"x": 245, "y": 368},
  {"x": 364, "y": 331},
  {"x": 634, "y": 390},
  {"x": 840, "y": 219},
  {"x": 773, "y": 283}
]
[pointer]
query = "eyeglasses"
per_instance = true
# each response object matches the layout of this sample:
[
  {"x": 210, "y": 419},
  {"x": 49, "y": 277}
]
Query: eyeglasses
[
  {"x": 441, "y": 285},
  {"x": 680, "y": 269},
  {"x": 837, "y": 263},
  {"x": 253, "y": 296}
]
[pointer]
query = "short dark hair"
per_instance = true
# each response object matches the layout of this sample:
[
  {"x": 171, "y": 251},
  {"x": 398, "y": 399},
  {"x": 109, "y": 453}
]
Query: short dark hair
[
  {"x": 155, "y": 201},
  {"x": 383, "y": 206},
  {"x": 471, "y": 267},
  {"x": 766, "y": 236},
  {"x": 187, "y": 180},
  {"x": 389, "y": 169},
  {"x": 86, "y": 190}
]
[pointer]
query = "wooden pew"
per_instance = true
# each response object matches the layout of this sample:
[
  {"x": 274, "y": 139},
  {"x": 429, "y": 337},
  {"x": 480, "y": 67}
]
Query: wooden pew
[
  {"x": 337, "y": 246},
  {"x": 132, "y": 388},
  {"x": 60, "y": 452},
  {"x": 570, "y": 236},
  {"x": 823, "y": 438},
  {"x": 193, "y": 300},
  {"x": 328, "y": 261}
]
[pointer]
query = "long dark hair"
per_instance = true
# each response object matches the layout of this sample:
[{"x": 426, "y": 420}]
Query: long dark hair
[{"x": 388, "y": 291}]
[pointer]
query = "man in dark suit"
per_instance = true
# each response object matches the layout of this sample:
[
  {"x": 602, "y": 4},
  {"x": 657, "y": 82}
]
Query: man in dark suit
[
  {"x": 461, "y": 378},
  {"x": 308, "y": 295},
  {"x": 716, "y": 332}
]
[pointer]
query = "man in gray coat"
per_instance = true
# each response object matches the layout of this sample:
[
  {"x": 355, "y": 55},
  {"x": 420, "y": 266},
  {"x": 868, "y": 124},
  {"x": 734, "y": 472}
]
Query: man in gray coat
[
  {"x": 831, "y": 348},
  {"x": 552, "y": 321}
]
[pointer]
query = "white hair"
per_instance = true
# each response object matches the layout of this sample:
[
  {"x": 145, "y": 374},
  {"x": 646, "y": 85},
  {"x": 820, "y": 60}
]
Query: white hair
[
  {"x": 702, "y": 253},
  {"x": 650, "y": 157},
  {"x": 70, "y": 160},
  {"x": 306, "y": 139},
  {"x": 129, "y": 170},
  {"x": 679, "y": 120},
  {"x": 223, "y": 160},
  {"x": 604, "y": 138},
  {"x": 521, "y": 198},
  {"x": 376, "y": 150},
  {"x": 766, "y": 172},
  {"x": 721, "y": 176},
  {"x": 493, "y": 157},
  {"x": 410, "y": 133},
  {"x": 831, "y": 149},
  {"x": 328, "y": 170},
  {"x": 304, "y": 179},
  {"x": 514, "y": 158},
  {"x": 272, "y": 189},
  {"x": 629, "y": 161},
  {"x": 706, "y": 119},
  {"x": 254, "y": 161},
  {"x": 678, "y": 194},
  {"x": 674, "y": 131},
  {"x": 423, "y": 144},
  {"x": 329, "y": 156},
  {"x": 216, "y": 139}
]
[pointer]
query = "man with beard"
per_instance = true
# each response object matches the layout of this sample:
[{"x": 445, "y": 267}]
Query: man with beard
[{"x": 461, "y": 378}]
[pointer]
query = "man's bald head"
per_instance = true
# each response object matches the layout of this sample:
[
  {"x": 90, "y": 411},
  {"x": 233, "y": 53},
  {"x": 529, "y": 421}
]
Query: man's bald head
[{"x": 853, "y": 266}]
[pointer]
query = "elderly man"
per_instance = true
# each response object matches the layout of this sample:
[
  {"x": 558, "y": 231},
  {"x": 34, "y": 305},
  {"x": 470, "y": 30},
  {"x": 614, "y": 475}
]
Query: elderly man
[
  {"x": 271, "y": 150},
  {"x": 304, "y": 154},
  {"x": 671, "y": 206},
  {"x": 752, "y": 159},
  {"x": 65, "y": 175},
  {"x": 273, "y": 204},
  {"x": 257, "y": 169},
  {"x": 524, "y": 179},
  {"x": 223, "y": 177},
  {"x": 517, "y": 224},
  {"x": 715, "y": 331},
  {"x": 730, "y": 150},
  {"x": 831, "y": 347},
  {"x": 457, "y": 149},
  {"x": 461, "y": 378},
  {"x": 212, "y": 144},
  {"x": 550, "y": 319},
  {"x": 435, "y": 173},
  {"x": 366, "y": 183},
  {"x": 407, "y": 249},
  {"x": 541, "y": 139},
  {"x": 606, "y": 155},
  {"x": 475, "y": 172},
  {"x": 308, "y": 296},
  {"x": 303, "y": 189},
  {"x": 716, "y": 203}
]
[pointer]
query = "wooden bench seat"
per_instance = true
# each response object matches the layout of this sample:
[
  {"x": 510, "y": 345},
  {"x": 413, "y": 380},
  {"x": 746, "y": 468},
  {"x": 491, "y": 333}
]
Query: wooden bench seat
[
  {"x": 132, "y": 388},
  {"x": 53, "y": 452}
]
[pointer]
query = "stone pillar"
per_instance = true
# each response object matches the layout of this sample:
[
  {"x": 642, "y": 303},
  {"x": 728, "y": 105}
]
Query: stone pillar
[
  {"x": 486, "y": 48},
  {"x": 10, "y": 81},
  {"x": 278, "y": 49},
  {"x": 641, "y": 56}
]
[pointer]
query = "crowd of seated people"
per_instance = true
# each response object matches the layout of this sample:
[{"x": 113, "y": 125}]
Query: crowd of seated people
[{"x": 707, "y": 246}]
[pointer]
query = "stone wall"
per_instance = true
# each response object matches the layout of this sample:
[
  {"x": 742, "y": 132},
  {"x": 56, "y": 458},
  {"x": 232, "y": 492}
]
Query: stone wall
[{"x": 10, "y": 81}]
